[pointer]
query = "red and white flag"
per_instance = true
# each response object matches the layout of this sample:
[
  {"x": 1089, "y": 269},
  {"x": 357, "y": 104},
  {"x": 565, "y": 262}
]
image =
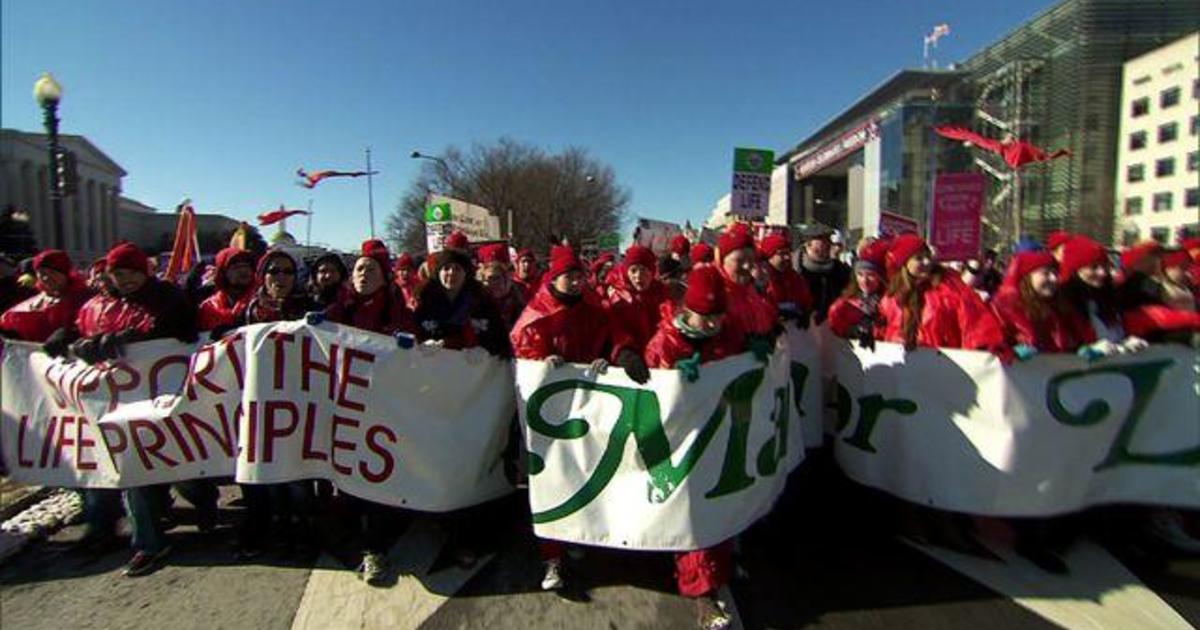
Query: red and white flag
[{"x": 185, "y": 254}]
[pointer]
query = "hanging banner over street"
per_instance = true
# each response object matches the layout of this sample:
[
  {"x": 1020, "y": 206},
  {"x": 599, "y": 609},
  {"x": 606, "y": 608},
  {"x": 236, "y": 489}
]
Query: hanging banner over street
[
  {"x": 956, "y": 232},
  {"x": 420, "y": 428},
  {"x": 751, "y": 196}
]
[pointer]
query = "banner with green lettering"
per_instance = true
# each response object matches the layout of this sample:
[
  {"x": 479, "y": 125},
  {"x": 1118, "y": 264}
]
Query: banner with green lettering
[
  {"x": 957, "y": 430},
  {"x": 669, "y": 465}
]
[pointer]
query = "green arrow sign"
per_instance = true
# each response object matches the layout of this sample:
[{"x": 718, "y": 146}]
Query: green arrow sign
[{"x": 438, "y": 213}]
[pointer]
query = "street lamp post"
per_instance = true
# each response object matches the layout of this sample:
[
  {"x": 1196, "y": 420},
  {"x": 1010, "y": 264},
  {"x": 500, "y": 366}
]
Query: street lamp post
[{"x": 48, "y": 93}]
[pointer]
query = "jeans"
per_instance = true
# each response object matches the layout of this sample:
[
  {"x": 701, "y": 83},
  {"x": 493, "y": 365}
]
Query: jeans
[{"x": 145, "y": 506}]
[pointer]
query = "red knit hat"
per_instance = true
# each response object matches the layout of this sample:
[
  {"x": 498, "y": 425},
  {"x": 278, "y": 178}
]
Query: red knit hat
[
  {"x": 773, "y": 244},
  {"x": 603, "y": 259},
  {"x": 405, "y": 260},
  {"x": 494, "y": 253},
  {"x": 1057, "y": 238},
  {"x": 1026, "y": 263},
  {"x": 1188, "y": 244},
  {"x": 562, "y": 260},
  {"x": 1176, "y": 258},
  {"x": 126, "y": 255},
  {"x": 55, "y": 259},
  {"x": 1081, "y": 252},
  {"x": 376, "y": 249},
  {"x": 680, "y": 245},
  {"x": 702, "y": 253},
  {"x": 736, "y": 236},
  {"x": 638, "y": 255},
  {"x": 706, "y": 292},
  {"x": 525, "y": 253},
  {"x": 873, "y": 257},
  {"x": 457, "y": 240},
  {"x": 1133, "y": 256},
  {"x": 902, "y": 248}
]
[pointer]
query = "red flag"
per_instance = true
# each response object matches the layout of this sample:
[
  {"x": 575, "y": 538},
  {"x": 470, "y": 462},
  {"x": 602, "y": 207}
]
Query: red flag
[
  {"x": 312, "y": 179},
  {"x": 185, "y": 254},
  {"x": 1016, "y": 152},
  {"x": 275, "y": 216}
]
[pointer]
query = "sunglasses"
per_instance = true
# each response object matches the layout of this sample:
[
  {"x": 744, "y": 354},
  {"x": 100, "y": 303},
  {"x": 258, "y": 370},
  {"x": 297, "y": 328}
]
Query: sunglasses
[{"x": 280, "y": 271}]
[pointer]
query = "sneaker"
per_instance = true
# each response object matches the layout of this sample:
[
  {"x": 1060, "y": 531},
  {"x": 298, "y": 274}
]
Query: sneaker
[
  {"x": 1166, "y": 526},
  {"x": 712, "y": 615},
  {"x": 553, "y": 580},
  {"x": 145, "y": 563},
  {"x": 372, "y": 569}
]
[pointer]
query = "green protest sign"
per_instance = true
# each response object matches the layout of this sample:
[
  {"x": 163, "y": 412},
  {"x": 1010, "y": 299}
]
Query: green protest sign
[{"x": 438, "y": 213}]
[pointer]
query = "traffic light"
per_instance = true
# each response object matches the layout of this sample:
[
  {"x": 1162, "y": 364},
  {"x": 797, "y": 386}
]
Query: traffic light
[{"x": 68, "y": 173}]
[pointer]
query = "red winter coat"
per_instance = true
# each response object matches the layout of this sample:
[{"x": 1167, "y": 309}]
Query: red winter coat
[
  {"x": 36, "y": 318},
  {"x": 578, "y": 333},
  {"x": 954, "y": 316},
  {"x": 220, "y": 309},
  {"x": 385, "y": 311},
  {"x": 1057, "y": 332},
  {"x": 668, "y": 345},
  {"x": 749, "y": 310},
  {"x": 634, "y": 315},
  {"x": 846, "y": 314},
  {"x": 158, "y": 310},
  {"x": 788, "y": 287}
]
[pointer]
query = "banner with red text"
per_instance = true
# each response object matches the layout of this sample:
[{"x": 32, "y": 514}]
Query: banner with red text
[{"x": 421, "y": 428}]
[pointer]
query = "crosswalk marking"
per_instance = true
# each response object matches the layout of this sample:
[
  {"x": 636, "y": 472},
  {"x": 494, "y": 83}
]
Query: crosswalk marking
[
  {"x": 335, "y": 598},
  {"x": 1098, "y": 592}
]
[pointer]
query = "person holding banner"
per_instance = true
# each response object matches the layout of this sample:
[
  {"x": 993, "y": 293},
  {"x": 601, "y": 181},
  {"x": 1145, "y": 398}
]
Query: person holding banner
[
  {"x": 750, "y": 311},
  {"x": 1148, "y": 298},
  {"x": 454, "y": 312},
  {"x": 327, "y": 283},
  {"x": 234, "y": 280},
  {"x": 563, "y": 323},
  {"x": 635, "y": 307},
  {"x": 62, "y": 291},
  {"x": 1035, "y": 316},
  {"x": 785, "y": 286},
  {"x": 926, "y": 306},
  {"x": 598, "y": 274},
  {"x": 855, "y": 315},
  {"x": 495, "y": 276}
]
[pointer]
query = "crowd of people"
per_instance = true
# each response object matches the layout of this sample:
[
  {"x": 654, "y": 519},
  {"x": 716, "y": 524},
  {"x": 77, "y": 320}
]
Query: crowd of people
[{"x": 696, "y": 304}]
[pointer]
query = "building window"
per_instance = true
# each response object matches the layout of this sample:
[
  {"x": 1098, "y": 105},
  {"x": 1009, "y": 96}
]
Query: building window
[
  {"x": 1196, "y": 88},
  {"x": 1162, "y": 201},
  {"x": 1168, "y": 132},
  {"x": 1191, "y": 198},
  {"x": 1141, "y": 107},
  {"x": 1135, "y": 173},
  {"x": 1160, "y": 234},
  {"x": 1195, "y": 125},
  {"x": 1129, "y": 237},
  {"x": 1194, "y": 161},
  {"x": 1142, "y": 80},
  {"x": 1168, "y": 97},
  {"x": 1164, "y": 167},
  {"x": 1137, "y": 140},
  {"x": 1172, "y": 69},
  {"x": 1133, "y": 205}
]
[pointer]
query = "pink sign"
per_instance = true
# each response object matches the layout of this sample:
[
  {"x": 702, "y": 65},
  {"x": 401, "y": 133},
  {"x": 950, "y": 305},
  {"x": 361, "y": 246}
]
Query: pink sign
[{"x": 955, "y": 232}]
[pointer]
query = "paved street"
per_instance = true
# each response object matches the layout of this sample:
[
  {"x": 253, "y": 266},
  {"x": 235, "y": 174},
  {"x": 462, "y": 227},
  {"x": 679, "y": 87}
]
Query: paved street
[{"x": 807, "y": 565}]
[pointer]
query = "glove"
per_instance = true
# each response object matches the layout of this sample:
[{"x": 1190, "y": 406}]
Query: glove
[
  {"x": 761, "y": 347},
  {"x": 866, "y": 339},
  {"x": 1098, "y": 350},
  {"x": 404, "y": 340},
  {"x": 598, "y": 367},
  {"x": 690, "y": 367},
  {"x": 314, "y": 318},
  {"x": 1025, "y": 352},
  {"x": 111, "y": 346},
  {"x": 434, "y": 343},
  {"x": 802, "y": 320},
  {"x": 554, "y": 361},
  {"x": 635, "y": 366},
  {"x": 1132, "y": 344},
  {"x": 87, "y": 350},
  {"x": 56, "y": 344}
]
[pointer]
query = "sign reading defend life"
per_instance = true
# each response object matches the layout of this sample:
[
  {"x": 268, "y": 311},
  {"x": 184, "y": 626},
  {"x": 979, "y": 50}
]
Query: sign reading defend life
[{"x": 751, "y": 194}]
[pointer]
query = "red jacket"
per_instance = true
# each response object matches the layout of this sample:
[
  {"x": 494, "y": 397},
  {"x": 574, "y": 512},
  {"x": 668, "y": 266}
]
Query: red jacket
[
  {"x": 157, "y": 310},
  {"x": 954, "y": 316},
  {"x": 788, "y": 287},
  {"x": 383, "y": 312},
  {"x": 668, "y": 345},
  {"x": 749, "y": 310},
  {"x": 634, "y": 315},
  {"x": 847, "y": 313},
  {"x": 220, "y": 309},
  {"x": 37, "y": 317},
  {"x": 578, "y": 333},
  {"x": 1058, "y": 332}
]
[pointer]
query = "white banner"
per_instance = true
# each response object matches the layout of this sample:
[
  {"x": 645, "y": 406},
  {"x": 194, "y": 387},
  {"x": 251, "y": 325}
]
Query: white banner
[
  {"x": 668, "y": 465},
  {"x": 956, "y": 430},
  {"x": 420, "y": 428}
]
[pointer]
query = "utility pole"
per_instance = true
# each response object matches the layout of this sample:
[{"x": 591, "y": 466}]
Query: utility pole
[{"x": 370, "y": 194}]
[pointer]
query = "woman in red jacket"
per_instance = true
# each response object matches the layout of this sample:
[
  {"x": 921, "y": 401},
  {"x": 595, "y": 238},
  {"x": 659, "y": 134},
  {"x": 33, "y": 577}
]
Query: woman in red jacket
[
  {"x": 635, "y": 303},
  {"x": 749, "y": 311},
  {"x": 495, "y": 274},
  {"x": 564, "y": 322},
  {"x": 234, "y": 279},
  {"x": 926, "y": 306},
  {"x": 62, "y": 292},
  {"x": 855, "y": 315},
  {"x": 700, "y": 332},
  {"x": 785, "y": 286},
  {"x": 1032, "y": 311}
]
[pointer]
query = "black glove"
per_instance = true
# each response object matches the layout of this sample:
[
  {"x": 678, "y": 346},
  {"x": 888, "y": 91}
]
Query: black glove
[
  {"x": 111, "y": 346},
  {"x": 218, "y": 333},
  {"x": 866, "y": 339},
  {"x": 761, "y": 346},
  {"x": 87, "y": 349},
  {"x": 635, "y": 366},
  {"x": 57, "y": 343}
]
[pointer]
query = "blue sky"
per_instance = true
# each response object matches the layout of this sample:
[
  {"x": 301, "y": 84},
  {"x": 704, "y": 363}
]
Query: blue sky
[{"x": 222, "y": 100}]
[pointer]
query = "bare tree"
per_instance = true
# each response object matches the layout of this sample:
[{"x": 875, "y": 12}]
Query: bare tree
[{"x": 552, "y": 196}]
